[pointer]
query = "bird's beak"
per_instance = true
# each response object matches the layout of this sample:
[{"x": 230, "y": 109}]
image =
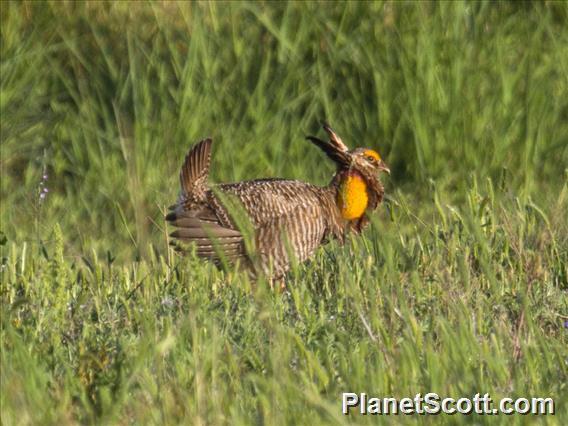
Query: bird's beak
[{"x": 384, "y": 168}]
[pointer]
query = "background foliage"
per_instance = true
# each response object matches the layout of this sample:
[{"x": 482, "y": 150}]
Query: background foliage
[{"x": 459, "y": 287}]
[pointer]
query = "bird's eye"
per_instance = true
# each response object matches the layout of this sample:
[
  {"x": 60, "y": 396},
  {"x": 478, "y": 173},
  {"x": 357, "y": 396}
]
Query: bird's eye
[{"x": 371, "y": 159}]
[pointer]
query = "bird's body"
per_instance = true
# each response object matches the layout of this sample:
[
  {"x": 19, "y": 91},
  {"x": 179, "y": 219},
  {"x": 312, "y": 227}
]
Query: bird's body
[{"x": 289, "y": 219}]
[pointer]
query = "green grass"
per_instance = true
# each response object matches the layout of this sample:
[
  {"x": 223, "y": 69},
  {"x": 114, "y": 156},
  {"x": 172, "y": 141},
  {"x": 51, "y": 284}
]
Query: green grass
[{"x": 458, "y": 287}]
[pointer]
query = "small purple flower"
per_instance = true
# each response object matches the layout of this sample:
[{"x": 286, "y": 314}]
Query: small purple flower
[
  {"x": 566, "y": 324},
  {"x": 43, "y": 189}
]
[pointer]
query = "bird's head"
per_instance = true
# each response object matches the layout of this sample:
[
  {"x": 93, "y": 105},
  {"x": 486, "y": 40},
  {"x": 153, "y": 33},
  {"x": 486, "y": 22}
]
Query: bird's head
[{"x": 364, "y": 160}]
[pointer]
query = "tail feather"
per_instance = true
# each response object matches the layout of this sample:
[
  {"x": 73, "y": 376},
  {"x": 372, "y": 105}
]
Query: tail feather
[
  {"x": 195, "y": 168},
  {"x": 197, "y": 234},
  {"x": 197, "y": 223},
  {"x": 210, "y": 239}
]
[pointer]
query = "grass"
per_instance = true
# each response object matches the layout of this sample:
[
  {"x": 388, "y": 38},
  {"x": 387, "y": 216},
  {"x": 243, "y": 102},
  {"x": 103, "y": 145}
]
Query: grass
[{"x": 458, "y": 287}]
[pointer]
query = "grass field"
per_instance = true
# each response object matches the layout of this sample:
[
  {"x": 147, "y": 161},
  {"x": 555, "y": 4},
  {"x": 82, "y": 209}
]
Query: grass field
[{"x": 460, "y": 286}]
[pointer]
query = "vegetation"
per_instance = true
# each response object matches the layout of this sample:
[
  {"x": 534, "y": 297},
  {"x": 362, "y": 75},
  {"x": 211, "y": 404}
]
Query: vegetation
[{"x": 458, "y": 287}]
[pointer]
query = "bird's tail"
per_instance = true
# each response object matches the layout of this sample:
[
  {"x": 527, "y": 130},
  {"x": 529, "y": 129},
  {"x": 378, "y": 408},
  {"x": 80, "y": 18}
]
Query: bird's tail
[{"x": 195, "y": 168}]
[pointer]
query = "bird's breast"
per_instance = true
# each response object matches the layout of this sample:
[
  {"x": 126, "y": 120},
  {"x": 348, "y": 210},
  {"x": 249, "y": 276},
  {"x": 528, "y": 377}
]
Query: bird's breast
[{"x": 352, "y": 197}]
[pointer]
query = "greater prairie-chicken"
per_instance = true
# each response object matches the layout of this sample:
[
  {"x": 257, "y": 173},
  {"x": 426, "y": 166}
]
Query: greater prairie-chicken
[{"x": 290, "y": 219}]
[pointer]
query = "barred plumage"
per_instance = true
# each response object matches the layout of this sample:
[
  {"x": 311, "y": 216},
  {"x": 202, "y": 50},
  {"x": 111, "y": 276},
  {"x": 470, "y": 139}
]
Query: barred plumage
[{"x": 289, "y": 219}]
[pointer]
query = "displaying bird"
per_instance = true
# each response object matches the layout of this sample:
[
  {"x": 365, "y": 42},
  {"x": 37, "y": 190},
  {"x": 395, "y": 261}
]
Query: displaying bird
[{"x": 288, "y": 218}]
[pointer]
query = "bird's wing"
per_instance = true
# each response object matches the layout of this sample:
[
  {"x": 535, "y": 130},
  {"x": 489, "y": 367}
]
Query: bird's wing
[
  {"x": 268, "y": 199},
  {"x": 295, "y": 234},
  {"x": 288, "y": 219}
]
